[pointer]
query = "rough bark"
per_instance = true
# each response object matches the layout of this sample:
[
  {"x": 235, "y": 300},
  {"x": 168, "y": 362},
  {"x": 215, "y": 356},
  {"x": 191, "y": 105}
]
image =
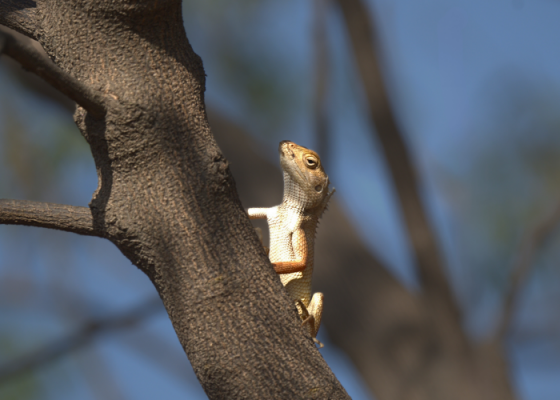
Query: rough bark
[{"x": 167, "y": 199}]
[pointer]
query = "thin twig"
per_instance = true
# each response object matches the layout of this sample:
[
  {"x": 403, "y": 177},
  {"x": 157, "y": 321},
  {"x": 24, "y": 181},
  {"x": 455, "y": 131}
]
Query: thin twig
[
  {"x": 48, "y": 215},
  {"x": 522, "y": 267},
  {"x": 34, "y": 62},
  {"x": 81, "y": 338}
]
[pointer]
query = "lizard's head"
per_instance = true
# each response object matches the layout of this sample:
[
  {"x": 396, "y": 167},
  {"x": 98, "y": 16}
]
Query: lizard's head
[{"x": 304, "y": 167}]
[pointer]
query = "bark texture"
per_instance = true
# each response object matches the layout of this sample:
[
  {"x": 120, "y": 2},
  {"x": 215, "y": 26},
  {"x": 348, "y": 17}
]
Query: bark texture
[{"x": 166, "y": 197}]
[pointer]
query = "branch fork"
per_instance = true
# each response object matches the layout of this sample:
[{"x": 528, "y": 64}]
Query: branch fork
[
  {"x": 47, "y": 215},
  {"x": 31, "y": 60}
]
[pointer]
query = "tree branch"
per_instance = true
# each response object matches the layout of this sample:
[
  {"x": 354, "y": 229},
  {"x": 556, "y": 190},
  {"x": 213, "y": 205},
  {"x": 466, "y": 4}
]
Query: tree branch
[
  {"x": 48, "y": 215},
  {"x": 34, "y": 62},
  {"x": 79, "y": 339},
  {"x": 33, "y": 82},
  {"x": 20, "y": 15},
  {"x": 522, "y": 268},
  {"x": 426, "y": 253}
]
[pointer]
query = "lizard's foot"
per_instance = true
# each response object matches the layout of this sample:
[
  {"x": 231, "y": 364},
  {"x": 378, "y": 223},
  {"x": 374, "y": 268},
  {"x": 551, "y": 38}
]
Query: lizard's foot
[
  {"x": 308, "y": 319},
  {"x": 302, "y": 310},
  {"x": 304, "y": 314}
]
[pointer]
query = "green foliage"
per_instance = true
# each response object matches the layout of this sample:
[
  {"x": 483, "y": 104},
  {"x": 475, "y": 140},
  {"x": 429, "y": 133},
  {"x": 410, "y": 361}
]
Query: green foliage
[{"x": 22, "y": 387}]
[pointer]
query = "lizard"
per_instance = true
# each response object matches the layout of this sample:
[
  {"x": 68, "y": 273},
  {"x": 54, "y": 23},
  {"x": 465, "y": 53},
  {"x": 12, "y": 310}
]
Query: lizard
[{"x": 292, "y": 226}]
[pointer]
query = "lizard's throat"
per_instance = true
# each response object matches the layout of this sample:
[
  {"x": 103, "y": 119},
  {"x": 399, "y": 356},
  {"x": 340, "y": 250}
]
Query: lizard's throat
[{"x": 295, "y": 196}]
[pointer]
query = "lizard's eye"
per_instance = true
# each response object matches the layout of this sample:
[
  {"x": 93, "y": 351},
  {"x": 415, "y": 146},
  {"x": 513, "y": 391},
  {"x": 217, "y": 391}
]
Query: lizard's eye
[{"x": 311, "y": 162}]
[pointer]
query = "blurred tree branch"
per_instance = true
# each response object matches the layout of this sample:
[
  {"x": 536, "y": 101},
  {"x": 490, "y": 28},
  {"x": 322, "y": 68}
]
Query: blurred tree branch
[
  {"x": 321, "y": 8},
  {"x": 89, "y": 331},
  {"x": 436, "y": 289},
  {"x": 521, "y": 271},
  {"x": 102, "y": 382},
  {"x": 428, "y": 356}
]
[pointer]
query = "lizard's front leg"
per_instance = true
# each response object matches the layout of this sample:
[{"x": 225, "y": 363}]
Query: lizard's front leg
[
  {"x": 299, "y": 245},
  {"x": 259, "y": 213}
]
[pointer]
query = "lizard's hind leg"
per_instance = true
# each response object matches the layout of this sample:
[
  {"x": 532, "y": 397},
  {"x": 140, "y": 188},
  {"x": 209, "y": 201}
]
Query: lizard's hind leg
[
  {"x": 311, "y": 315},
  {"x": 315, "y": 309}
]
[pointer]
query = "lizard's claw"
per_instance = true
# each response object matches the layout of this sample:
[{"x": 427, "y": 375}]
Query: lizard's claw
[
  {"x": 307, "y": 318},
  {"x": 302, "y": 310},
  {"x": 321, "y": 345}
]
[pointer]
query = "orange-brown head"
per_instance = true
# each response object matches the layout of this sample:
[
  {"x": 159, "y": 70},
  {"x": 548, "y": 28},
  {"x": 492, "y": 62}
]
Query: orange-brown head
[{"x": 305, "y": 169}]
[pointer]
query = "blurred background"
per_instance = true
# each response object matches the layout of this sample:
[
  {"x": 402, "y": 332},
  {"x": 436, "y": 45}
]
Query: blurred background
[{"x": 475, "y": 88}]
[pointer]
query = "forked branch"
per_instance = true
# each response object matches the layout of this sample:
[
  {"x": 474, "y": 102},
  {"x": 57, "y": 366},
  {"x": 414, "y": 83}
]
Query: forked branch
[
  {"x": 47, "y": 215},
  {"x": 34, "y": 62}
]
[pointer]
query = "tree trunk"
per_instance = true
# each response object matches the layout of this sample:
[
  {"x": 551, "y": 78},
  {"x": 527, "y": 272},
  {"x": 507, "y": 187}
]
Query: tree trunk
[{"x": 166, "y": 197}]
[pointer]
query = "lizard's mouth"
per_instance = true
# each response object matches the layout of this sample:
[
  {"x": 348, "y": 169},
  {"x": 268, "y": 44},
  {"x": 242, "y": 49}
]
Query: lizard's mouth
[
  {"x": 287, "y": 159},
  {"x": 284, "y": 148}
]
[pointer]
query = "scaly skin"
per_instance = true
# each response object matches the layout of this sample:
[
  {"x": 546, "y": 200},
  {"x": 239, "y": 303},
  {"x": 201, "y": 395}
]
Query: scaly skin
[{"x": 293, "y": 224}]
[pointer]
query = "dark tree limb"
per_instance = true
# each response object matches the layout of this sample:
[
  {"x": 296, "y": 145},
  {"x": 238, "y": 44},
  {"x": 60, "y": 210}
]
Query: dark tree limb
[
  {"x": 167, "y": 199},
  {"x": 436, "y": 289},
  {"x": 82, "y": 337},
  {"x": 47, "y": 215},
  {"x": 34, "y": 62},
  {"x": 523, "y": 265},
  {"x": 20, "y": 15}
]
